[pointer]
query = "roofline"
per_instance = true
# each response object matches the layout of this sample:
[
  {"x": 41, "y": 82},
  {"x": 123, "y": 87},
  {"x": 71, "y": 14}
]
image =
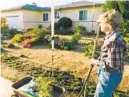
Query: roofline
[
  {"x": 6, "y": 10},
  {"x": 79, "y": 6},
  {"x": 22, "y": 7}
]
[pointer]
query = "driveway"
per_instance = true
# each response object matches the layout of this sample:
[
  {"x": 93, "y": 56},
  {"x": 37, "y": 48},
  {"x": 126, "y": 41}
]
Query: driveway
[{"x": 5, "y": 87}]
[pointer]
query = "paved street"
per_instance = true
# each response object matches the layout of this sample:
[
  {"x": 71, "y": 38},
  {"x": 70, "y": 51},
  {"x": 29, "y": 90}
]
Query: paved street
[{"x": 5, "y": 87}]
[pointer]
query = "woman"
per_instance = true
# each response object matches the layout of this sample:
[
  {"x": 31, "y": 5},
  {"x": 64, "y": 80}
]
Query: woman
[{"x": 111, "y": 56}]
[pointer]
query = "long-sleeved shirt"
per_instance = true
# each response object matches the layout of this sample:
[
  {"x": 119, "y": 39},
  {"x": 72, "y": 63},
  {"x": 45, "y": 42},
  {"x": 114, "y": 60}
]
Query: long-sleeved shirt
[{"x": 112, "y": 53}]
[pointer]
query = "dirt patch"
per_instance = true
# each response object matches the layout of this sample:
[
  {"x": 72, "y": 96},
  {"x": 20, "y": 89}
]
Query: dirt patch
[{"x": 76, "y": 62}]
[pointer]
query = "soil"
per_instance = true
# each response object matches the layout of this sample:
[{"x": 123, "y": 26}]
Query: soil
[{"x": 73, "y": 61}]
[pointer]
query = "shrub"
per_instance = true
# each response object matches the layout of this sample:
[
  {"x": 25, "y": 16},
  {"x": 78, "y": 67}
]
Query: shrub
[
  {"x": 37, "y": 35},
  {"x": 65, "y": 31},
  {"x": 64, "y": 44},
  {"x": 65, "y": 22},
  {"x": 18, "y": 38},
  {"x": 89, "y": 50},
  {"x": 9, "y": 32},
  {"x": 56, "y": 26},
  {"x": 75, "y": 38},
  {"x": 127, "y": 42},
  {"x": 40, "y": 26},
  {"x": 125, "y": 28},
  {"x": 82, "y": 29},
  {"x": 67, "y": 45},
  {"x": 78, "y": 31},
  {"x": 44, "y": 88},
  {"x": 27, "y": 43}
]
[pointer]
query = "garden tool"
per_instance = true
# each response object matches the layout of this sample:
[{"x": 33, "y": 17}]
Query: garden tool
[{"x": 91, "y": 67}]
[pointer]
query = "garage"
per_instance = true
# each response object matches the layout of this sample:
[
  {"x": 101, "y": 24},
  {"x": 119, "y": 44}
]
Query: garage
[{"x": 13, "y": 21}]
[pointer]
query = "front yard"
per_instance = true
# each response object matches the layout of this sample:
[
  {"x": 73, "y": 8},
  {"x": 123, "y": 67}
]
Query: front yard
[{"x": 33, "y": 61}]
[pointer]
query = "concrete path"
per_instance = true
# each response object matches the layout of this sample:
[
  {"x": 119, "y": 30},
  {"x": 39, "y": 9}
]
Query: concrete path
[{"x": 5, "y": 87}]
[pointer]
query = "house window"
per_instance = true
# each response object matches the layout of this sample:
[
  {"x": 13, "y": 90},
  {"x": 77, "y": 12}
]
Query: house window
[
  {"x": 83, "y": 15},
  {"x": 57, "y": 15},
  {"x": 45, "y": 17}
]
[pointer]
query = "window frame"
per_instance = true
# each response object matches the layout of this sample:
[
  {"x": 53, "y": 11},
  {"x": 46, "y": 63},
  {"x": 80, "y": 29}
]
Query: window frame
[
  {"x": 84, "y": 16},
  {"x": 57, "y": 16},
  {"x": 45, "y": 17}
]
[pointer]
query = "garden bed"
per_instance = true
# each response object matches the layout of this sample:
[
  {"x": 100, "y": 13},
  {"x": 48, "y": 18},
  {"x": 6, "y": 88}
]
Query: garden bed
[{"x": 36, "y": 61}]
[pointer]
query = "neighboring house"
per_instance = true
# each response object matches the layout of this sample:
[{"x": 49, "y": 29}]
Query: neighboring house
[
  {"x": 27, "y": 16},
  {"x": 82, "y": 13}
]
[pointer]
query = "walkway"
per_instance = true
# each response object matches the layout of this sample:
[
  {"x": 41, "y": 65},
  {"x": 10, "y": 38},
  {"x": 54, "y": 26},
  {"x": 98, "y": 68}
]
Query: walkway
[{"x": 5, "y": 87}]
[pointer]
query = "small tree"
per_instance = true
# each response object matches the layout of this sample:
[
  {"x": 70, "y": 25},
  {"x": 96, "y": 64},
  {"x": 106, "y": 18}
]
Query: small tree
[
  {"x": 3, "y": 23},
  {"x": 120, "y": 5}
]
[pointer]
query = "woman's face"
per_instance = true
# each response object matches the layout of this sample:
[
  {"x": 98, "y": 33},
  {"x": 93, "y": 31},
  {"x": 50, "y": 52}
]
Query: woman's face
[{"x": 105, "y": 27}]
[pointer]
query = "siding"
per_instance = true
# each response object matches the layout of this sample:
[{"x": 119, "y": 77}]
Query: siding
[
  {"x": 33, "y": 18},
  {"x": 73, "y": 14}
]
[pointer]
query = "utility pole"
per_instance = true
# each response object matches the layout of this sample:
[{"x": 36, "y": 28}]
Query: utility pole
[{"x": 52, "y": 33}]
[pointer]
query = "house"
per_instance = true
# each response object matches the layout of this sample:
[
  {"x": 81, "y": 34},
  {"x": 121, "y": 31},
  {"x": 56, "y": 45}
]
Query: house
[
  {"x": 82, "y": 13},
  {"x": 27, "y": 16}
]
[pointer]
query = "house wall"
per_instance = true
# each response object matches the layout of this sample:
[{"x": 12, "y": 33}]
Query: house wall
[
  {"x": 46, "y": 23},
  {"x": 17, "y": 16},
  {"x": 33, "y": 18},
  {"x": 73, "y": 14}
]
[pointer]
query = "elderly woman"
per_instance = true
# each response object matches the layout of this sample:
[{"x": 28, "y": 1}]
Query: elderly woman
[{"x": 110, "y": 63}]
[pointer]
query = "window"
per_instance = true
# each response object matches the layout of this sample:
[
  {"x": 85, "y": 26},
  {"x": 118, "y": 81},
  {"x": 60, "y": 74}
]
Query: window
[
  {"x": 83, "y": 15},
  {"x": 45, "y": 17},
  {"x": 57, "y": 15}
]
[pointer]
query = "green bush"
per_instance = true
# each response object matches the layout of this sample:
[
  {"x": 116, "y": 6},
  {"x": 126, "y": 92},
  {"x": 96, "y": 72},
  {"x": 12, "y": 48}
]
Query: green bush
[
  {"x": 81, "y": 29},
  {"x": 36, "y": 35},
  {"x": 56, "y": 26},
  {"x": 18, "y": 38},
  {"x": 40, "y": 26},
  {"x": 44, "y": 88},
  {"x": 65, "y": 22},
  {"x": 9, "y": 32},
  {"x": 78, "y": 31},
  {"x": 64, "y": 44},
  {"x": 127, "y": 42},
  {"x": 75, "y": 38},
  {"x": 63, "y": 26},
  {"x": 125, "y": 28},
  {"x": 65, "y": 31},
  {"x": 89, "y": 50},
  {"x": 67, "y": 45}
]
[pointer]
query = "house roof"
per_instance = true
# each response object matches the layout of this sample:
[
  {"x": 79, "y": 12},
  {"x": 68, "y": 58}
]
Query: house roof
[
  {"x": 78, "y": 4},
  {"x": 29, "y": 7},
  {"x": 65, "y": 6}
]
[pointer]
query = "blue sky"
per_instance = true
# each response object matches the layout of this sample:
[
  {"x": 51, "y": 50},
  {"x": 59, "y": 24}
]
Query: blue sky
[{"x": 12, "y": 3}]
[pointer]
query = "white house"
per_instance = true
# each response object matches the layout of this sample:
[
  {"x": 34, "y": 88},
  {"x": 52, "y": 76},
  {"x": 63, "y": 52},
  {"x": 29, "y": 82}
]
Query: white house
[
  {"x": 27, "y": 16},
  {"x": 30, "y": 16}
]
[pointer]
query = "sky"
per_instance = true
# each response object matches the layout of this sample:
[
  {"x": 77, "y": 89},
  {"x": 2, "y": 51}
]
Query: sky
[{"x": 13, "y": 3}]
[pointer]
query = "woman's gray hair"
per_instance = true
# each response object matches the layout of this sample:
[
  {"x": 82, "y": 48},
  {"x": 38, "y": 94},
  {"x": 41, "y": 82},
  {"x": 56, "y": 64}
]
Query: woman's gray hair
[{"x": 112, "y": 17}]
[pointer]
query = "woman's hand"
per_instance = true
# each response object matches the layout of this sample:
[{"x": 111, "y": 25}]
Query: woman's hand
[{"x": 94, "y": 61}]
